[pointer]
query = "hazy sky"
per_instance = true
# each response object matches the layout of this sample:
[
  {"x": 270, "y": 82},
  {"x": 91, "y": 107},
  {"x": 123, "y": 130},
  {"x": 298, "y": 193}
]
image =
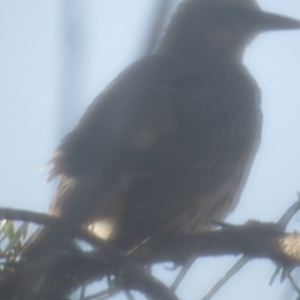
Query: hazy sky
[{"x": 32, "y": 76}]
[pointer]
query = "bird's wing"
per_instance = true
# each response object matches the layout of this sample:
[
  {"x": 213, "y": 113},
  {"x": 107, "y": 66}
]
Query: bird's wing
[{"x": 127, "y": 132}]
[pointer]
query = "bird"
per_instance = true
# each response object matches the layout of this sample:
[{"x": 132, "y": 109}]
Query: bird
[{"x": 168, "y": 145}]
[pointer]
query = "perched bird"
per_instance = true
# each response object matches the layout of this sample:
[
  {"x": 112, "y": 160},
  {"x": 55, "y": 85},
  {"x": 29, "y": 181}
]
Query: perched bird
[{"x": 167, "y": 147}]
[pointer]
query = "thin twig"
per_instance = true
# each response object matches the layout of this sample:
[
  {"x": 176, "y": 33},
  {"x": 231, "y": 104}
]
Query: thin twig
[
  {"x": 182, "y": 274},
  {"x": 289, "y": 214},
  {"x": 236, "y": 268},
  {"x": 30, "y": 216},
  {"x": 294, "y": 284},
  {"x": 276, "y": 273}
]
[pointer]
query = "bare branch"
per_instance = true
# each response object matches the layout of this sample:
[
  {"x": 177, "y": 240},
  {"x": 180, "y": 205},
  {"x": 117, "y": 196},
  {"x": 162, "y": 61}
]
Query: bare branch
[
  {"x": 254, "y": 239},
  {"x": 260, "y": 240},
  {"x": 136, "y": 277}
]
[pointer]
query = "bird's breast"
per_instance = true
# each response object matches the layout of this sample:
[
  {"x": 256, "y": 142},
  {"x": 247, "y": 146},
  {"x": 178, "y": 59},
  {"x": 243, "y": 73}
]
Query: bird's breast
[{"x": 218, "y": 121}]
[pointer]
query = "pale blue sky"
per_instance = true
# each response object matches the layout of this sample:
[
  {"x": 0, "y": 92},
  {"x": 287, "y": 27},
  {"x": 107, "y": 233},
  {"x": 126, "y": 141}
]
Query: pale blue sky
[{"x": 32, "y": 61}]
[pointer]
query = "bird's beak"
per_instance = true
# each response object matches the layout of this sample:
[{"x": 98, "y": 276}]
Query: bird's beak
[{"x": 270, "y": 21}]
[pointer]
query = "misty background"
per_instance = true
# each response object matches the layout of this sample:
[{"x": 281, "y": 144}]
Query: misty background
[{"x": 56, "y": 56}]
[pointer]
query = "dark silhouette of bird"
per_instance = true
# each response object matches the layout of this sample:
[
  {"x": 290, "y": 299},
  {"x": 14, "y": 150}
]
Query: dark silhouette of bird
[{"x": 167, "y": 147}]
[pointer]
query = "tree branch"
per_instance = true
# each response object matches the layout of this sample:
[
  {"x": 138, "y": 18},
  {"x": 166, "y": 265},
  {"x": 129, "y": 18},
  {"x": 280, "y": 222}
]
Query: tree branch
[
  {"x": 136, "y": 277},
  {"x": 254, "y": 239}
]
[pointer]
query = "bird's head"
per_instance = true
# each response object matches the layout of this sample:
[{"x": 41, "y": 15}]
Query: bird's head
[{"x": 219, "y": 25}]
